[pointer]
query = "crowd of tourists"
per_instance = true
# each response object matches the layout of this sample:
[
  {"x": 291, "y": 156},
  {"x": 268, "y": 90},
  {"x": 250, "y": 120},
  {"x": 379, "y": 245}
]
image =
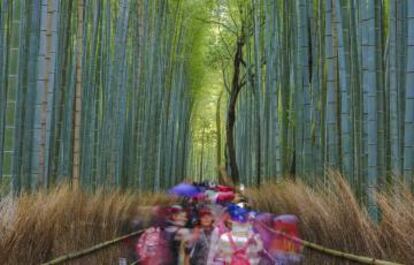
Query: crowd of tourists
[{"x": 214, "y": 225}]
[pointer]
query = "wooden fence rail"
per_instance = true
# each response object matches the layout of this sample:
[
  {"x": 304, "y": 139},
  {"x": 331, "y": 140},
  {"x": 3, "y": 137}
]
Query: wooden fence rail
[
  {"x": 85, "y": 252},
  {"x": 310, "y": 245}
]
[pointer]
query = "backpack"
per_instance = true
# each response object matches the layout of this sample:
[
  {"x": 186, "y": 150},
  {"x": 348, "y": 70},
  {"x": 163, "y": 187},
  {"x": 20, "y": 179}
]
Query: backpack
[
  {"x": 151, "y": 244},
  {"x": 239, "y": 256}
]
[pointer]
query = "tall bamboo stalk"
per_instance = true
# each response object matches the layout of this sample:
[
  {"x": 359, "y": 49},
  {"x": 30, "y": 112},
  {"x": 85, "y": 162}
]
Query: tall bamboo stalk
[
  {"x": 77, "y": 111},
  {"x": 409, "y": 101}
]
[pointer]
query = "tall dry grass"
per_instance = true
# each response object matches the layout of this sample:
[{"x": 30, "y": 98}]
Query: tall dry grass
[
  {"x": 331, "y": 216},
  {"x": 37, "y": 227}
]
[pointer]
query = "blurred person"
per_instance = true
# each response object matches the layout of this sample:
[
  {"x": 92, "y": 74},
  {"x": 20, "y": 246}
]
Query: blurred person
[
  {"x": 222, "y": 225},
  {"x": 283, "y": 249},
  {"x": 240, "y": 245},
  {"x": 129, "y": 244},
  {"x": 161, "y": 243},
  {"x": 198, "y": 249},
  {"x": 153, "y": 246},
  {"x": 261, "y": 225},
  {"x": 177, "y": 233}
]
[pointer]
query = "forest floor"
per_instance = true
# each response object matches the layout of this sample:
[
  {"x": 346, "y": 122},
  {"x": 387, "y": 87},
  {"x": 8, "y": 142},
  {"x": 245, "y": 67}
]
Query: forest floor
[{"x": 37, "y": 227}]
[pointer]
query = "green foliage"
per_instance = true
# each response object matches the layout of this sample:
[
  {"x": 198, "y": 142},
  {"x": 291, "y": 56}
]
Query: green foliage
[{"x": 195, "y": 15}]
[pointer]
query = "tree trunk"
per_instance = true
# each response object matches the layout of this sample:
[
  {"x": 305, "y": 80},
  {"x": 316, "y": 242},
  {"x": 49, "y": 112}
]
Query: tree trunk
[
  {"x": 331, "y": 133},
  {"x": 409, "y": 103},
  {"x": 231, "y": 113},
  {"x": 44, "y": 92},
  {"x": 218, "y": 131},
  {"x": 11, "y": 77},
  {"x": 78, "y": 97},
  {"x": 202, "y": 154},
  {"x": 394, "y": 100},
  {"x": 344, "y": 92},
  {"x": 370, "y": 99},
  {"x": 257, "y": 94},
  {"x": 3, "y": 95}
]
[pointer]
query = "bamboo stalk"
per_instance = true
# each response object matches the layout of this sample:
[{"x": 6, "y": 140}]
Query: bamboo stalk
[
  {"x": 84, "y": 252},
  {"x": 77, "y": 112}
]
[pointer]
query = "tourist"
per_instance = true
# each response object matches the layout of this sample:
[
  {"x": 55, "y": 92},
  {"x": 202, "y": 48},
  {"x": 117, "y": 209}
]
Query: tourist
[
  {"x": 240, "y": 245},
  {"x": 199, "y": 249}
]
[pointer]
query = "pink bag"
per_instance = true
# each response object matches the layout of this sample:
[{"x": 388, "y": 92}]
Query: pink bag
[
  {"x": 152, "y": 247},
  {"x": 239, "y": 254}
]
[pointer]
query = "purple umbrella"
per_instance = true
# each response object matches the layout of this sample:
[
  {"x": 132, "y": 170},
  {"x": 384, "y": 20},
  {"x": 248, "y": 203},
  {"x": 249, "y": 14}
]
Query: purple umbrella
[{"x": 184, "y": 190}]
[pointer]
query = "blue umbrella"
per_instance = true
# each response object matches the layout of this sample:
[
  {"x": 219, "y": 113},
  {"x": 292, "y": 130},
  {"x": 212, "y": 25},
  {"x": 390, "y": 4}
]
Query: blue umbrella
[{"x": 184, "y": 190}]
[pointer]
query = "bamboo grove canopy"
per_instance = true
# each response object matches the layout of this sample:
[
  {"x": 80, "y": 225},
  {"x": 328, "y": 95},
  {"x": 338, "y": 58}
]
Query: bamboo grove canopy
[{"x": 108, "y": 89}]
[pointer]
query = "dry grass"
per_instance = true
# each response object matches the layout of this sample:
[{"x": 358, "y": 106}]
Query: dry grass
[
  {"x": 37, "y": 227},
  {"x": 331, "y": 216}
]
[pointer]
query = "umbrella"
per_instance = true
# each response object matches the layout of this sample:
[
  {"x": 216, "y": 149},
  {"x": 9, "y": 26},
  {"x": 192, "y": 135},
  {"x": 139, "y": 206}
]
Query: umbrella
[{"x": 184, "y": 190}]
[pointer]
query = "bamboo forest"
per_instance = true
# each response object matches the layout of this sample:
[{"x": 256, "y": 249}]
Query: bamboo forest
[{"x": 298, "y": 105}]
